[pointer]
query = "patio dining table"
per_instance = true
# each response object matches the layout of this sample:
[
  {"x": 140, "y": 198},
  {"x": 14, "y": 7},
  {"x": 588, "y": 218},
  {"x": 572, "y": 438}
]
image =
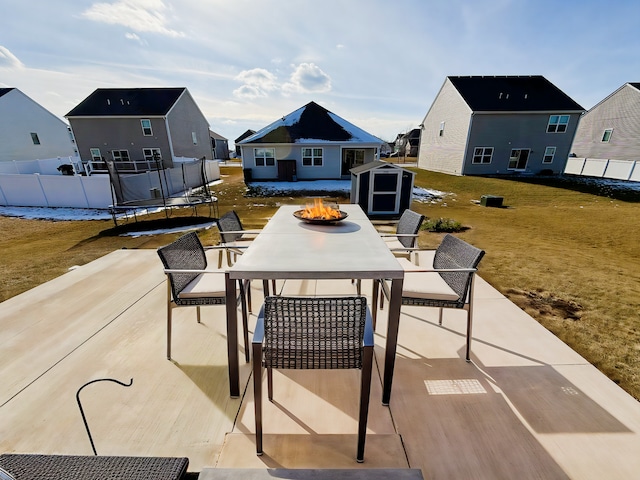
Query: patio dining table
[{"x": 289, "y": 248}]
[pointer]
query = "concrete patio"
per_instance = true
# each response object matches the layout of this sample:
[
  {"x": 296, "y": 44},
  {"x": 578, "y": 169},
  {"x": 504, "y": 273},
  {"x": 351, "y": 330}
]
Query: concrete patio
[{"x": 526, "y": 407}]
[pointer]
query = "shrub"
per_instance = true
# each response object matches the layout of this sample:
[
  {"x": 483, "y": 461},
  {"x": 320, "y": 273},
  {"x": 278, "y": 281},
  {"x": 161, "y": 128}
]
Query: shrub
[{"x": 446, "y": 225}]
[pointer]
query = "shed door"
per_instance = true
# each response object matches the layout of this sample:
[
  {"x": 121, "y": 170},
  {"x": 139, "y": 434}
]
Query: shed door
[{"x": 384, "y": 192}]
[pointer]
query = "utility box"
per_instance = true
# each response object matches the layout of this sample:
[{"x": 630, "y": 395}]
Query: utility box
[{"x": 491, "y": 201}]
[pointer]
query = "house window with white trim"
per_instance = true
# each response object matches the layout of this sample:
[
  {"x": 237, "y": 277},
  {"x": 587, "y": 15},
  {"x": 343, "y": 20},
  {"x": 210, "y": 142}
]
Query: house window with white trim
[
  {"x": 264, "y": 157},
  {"x": 95, "y": 155},
  {"x": 549, "y": 153},
  {"x": 150, "y": 154},
  {"x": 606, "y": 136},
  {"x": 558, "y": 123},
  {"x": 194, "y": 137},
  {"x": 120, "y": 155},
  {"x": 312, "y": 157},
  {"x": 482, "y": 155},
  {"x": 35, "y": 139},
  {"x": 146, "y": 127},
  {"x": 441, "y": 131}
]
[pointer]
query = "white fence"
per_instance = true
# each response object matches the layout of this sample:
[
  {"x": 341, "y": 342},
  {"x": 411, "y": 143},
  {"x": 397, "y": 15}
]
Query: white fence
[
  {"x": 604, "y": 168},
  {"x": 37, "y": 183}
]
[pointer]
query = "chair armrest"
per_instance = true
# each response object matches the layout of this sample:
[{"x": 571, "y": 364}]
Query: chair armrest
[
  {"x": 258, "y": 332},
  {"x": 173, "y": 270},
  {"x": 399, "y": 235}
]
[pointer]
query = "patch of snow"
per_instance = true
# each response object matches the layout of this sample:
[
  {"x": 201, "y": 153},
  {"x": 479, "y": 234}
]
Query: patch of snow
[
  {"x": 357, "y": 133},
  {"x": 63, "y": 214},
  {"x": 201, "y": 226}
]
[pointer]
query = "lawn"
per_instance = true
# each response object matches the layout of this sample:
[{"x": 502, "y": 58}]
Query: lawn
[{"x": 567, "y": 254}]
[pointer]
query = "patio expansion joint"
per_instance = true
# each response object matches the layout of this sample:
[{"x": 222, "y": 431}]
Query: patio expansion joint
[{"x": 68, "y": 354}]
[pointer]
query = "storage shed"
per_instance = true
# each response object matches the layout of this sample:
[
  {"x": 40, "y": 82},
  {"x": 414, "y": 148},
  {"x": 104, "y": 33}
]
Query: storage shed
[{"x": 382, "y": 189}]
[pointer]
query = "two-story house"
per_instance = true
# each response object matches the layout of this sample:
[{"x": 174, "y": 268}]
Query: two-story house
[
  {"x": 28, "y": 131},
  {"x": 135, "y": 127},
  {"x": 491, "y": 125}
]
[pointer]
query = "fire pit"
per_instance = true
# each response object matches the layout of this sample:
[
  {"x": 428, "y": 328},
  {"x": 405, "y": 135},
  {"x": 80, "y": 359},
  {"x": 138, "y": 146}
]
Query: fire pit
[{"x": 320, "y": 214}]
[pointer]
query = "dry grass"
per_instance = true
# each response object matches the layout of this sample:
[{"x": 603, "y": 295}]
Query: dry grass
[{"x": 570, "y": 259}]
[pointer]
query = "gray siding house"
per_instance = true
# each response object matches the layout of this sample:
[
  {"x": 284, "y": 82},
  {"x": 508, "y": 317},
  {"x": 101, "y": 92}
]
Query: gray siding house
[
  {"x": 481, "y": 125},
  {"x": 30, "y": 132},
  {"x": 219, "y": 145},
  {"x": 611, "y": 129},
  {"x": 310, "y": 143},
  {"x": 132, "y": 126}
]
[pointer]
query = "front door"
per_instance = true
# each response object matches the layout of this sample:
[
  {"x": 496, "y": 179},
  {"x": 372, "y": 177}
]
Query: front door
[
  {"x": 518, "y": 159},
  {"x": 384, "y": 192}
]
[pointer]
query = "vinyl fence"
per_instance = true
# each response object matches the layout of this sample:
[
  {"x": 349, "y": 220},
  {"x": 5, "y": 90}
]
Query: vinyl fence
[
  {"x": 38, "y": 183},
  {"x": 604, "y": 168}
]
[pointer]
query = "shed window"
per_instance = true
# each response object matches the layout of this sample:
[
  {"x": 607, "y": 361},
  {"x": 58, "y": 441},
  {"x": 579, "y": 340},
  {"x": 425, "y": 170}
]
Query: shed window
[
  {"x": 312, "y": 157},
  {"x": 549, "y": 153},
  {"x": 35, "y": 139},
  {"x": 558, "y": 123},
  {"x": 482, "y": 154},
  {"x": 606, "y": 136},
  {"x": 146, "y": 127},
  {"x": 264, "y": 157}
]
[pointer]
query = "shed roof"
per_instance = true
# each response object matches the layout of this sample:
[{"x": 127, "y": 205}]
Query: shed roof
[
  {"x": 365, "y": 167},
  {"x": 311, "y": 124},
  {"x": 515, "y": 93},
  {"x": 138, "y": 102}
]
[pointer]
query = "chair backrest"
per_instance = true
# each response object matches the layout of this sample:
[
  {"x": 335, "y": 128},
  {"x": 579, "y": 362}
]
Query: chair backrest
[
  {"x": 229, "y": 222},
  {"x": 314, "y": 332},
  {"x": 409, "y": 224},
  {"x": 456, "y": 253},
  {"x": 186, "y": 253}
]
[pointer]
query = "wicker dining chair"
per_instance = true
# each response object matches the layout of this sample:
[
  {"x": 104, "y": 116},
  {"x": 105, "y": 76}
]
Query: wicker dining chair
[
  {"x": 233, "y": 237},
  {"x": 405, "y": 240},
  {"x": 190, "y": 283},
  {"x": 313, "y": 333},
  {"x": 447, "y": 283}
]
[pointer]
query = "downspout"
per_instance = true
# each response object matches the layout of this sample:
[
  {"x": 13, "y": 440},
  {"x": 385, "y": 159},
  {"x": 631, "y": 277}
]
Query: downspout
[{"x": 466, "y": 145}]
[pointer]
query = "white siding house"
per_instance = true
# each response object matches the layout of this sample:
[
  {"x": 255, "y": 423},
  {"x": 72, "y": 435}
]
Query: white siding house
[{"x": 28, "y": 131}]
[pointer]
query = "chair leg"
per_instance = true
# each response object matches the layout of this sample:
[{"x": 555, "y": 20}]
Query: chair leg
[
  {"x": 365, "y": 393},
  {"x": 257, "y": 393},
  {"x": 270, "y": 383},
  {"x": 169, "y": 333},
  {"x": 440, "y": 316},
  {"x": 265, "y": 287},
  {"x": 249, "y": 296},
  {"x": 198, "y": 313},
  {"x": 220, "y": 259}
]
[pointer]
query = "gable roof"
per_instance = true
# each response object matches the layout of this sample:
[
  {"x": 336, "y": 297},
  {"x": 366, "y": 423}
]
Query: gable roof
[
  {"x": 365, "y": 167},
  {"x": 311, "y": 124},
  {"x": 635, "y": 85},
  {"x": 5, "y": 90},
  {"x": 515, "y": 93},
  {"x": 137, "y": 102},
  {"x": 246, "y": 134},
  {"x": 215, "y": 135}
]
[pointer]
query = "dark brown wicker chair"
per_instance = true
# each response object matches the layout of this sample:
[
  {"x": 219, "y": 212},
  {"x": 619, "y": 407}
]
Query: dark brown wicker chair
[
  {"x": 313, "y": 333},
  {"x": 233, "y": 237},
  {"x": 448, "y": 283},
  {"x": 79, "y": 467},
  {"x": 191, "y": 284},
  {"x": 405, "y": 240}
]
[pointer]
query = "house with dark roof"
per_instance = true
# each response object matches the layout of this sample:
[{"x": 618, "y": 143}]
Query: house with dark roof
[
  {"x": 219, "y": 146},
  {"x": 611, "y": 129},
  {"x": 28, "y": 131},
  {"x": 311, "y": 142},
  {"x": 135, "y": 126},
  {"x": 487, "y": 125},
  {"x": 246, "y": 134}
]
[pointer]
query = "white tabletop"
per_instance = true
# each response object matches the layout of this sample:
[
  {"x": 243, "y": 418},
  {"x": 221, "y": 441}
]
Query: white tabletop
[{"x": 289, "y": 248}]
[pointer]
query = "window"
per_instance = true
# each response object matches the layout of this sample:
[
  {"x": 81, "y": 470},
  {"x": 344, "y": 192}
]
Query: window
[
  {"x": 482, "y": 155},
  {"x": 149, "y": 154},
  {"x": 264, "y": 157},
  {"x": 120, "y": 155},
  {"x": 558, "y": 123},
  {"x": 95, "y": 155},
  {"x": 35, "y": 139},
  {"x": 146, "y": 127},
  {"x": 194, "y": 137},
  {"x": 312, "y": 157},
  {"x": 606, "y": 136},
  {"x": 441, "y": 132},
  {"x": 549, "y": 153}
]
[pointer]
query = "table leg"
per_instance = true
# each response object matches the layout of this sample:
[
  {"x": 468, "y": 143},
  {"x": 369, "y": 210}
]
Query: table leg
[
  {"x": 232, "y": 337},
  {"x": 392, "y": 338}
]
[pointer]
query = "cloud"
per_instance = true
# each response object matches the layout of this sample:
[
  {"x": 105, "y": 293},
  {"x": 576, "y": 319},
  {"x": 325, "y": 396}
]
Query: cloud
[
  {"x": 138, "y": 15},
  {"x": 308, "y": 77},
  {"x": 257, "y": 83},
  {"x": 8, "y": 59}
]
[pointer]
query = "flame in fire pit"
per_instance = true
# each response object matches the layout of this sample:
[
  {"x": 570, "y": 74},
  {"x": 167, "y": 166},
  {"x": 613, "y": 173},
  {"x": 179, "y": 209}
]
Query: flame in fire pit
[{"x": 320, "y": 211}]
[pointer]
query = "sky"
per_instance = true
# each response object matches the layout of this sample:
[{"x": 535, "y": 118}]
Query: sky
[{"x": 378, "y": 64}]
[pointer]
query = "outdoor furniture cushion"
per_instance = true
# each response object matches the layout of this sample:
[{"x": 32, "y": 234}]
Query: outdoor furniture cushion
[
  {"x": 81, "y": 467},
  {"x": 205, "y": 285},
  {"x": 424, "y": 284}
]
